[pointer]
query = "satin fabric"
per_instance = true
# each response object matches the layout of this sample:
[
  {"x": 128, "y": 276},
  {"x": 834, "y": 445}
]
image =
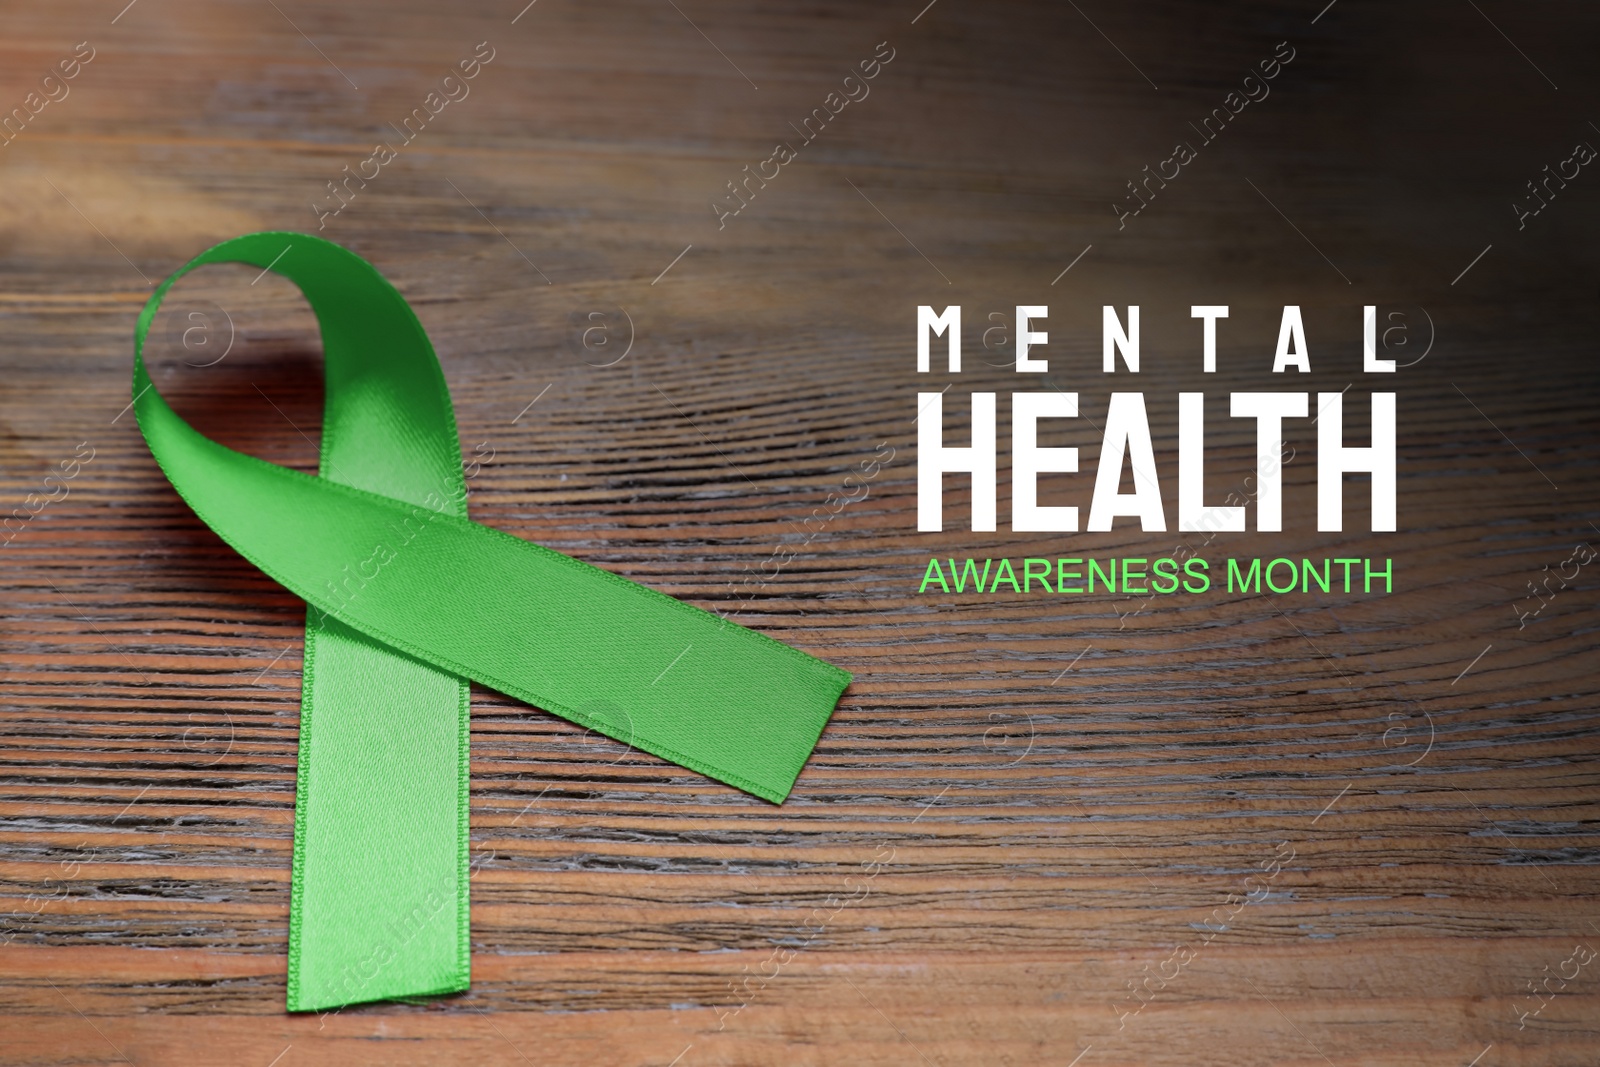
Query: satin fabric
[{"x": 408, "y": 600}]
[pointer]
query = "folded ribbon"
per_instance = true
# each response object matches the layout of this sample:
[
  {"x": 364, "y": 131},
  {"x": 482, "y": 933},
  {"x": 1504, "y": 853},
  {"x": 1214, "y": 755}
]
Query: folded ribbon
[{"x": 408, "y": 600}]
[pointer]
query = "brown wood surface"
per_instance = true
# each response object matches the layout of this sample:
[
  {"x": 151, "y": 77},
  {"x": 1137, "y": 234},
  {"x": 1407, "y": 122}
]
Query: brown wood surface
[{"x": 1065, "y": 789}]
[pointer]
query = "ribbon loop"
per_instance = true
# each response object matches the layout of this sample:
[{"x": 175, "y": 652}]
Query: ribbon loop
[{"x": 407, "y": 600}]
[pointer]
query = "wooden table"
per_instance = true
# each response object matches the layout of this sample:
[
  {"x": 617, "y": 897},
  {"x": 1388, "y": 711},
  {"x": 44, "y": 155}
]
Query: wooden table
[{"x": 1067, "y": 793}]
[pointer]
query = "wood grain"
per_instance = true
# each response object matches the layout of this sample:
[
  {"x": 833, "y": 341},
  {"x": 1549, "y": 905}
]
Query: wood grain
[{"x": 1069, "y": 791}]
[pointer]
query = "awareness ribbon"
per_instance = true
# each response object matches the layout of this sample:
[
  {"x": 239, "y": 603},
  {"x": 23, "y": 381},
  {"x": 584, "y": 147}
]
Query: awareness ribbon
[{"x": 408, "y": 600}]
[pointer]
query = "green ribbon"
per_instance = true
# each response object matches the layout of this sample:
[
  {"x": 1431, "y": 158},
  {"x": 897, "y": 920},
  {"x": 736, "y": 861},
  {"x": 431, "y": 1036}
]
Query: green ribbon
[{"x": 408, "y": 600}]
